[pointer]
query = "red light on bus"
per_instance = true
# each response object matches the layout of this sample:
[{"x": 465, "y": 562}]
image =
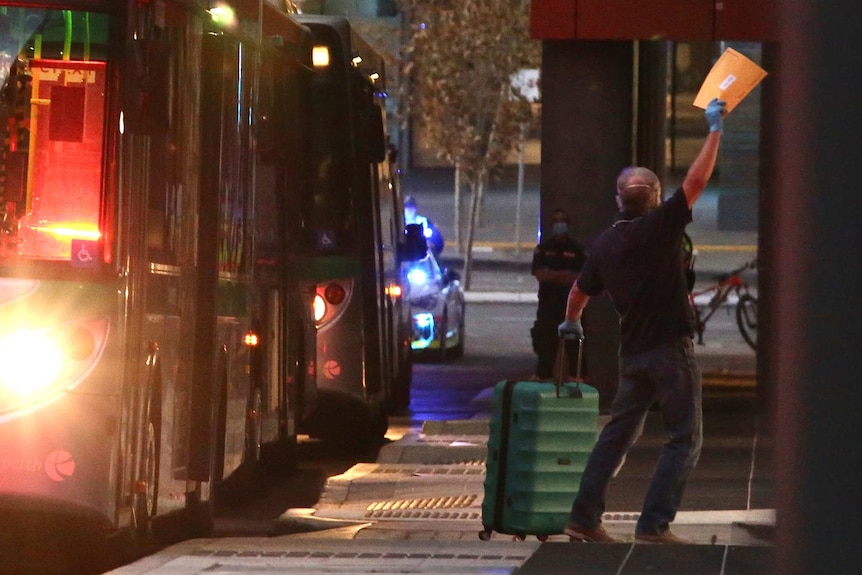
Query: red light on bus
[
  {"x": 76, "y": 231},
  {"x": 36, "y": 364},
  {"x": 79, "y": 343},
  {"x": 334, "y": 293},
  {"x": 250, "y": 339}
]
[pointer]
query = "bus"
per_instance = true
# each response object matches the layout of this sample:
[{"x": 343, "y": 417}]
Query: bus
[
  {"x": 356, "y": 242},
  {"x": 152, "y": 340}
]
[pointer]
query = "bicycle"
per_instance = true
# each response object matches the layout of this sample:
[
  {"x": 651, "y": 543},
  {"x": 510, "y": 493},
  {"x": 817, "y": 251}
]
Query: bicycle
[{"x": 719, "y": 293}]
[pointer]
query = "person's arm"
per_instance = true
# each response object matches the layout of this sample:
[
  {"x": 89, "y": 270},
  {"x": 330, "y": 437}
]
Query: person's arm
[
  {"x": 701, "y": 169},
  {"x": 571, "y": 328},
  {"x": 576, "y": 303}
]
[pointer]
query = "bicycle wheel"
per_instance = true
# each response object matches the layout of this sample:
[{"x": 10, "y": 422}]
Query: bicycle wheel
[{"x": 746, "y": 319}]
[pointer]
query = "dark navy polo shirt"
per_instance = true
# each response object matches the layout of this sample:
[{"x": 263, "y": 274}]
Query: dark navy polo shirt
[{"x": 638, "y": 262}]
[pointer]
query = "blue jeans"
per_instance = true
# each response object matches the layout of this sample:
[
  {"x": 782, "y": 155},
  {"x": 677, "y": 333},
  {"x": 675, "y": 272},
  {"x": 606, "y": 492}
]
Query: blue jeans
[{"x": 671, "y": 376}]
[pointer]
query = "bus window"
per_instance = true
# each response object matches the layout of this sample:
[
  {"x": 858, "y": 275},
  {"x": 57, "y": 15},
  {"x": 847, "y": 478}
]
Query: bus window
[
  {"x": 53, "y": 132},
  {"x": 331, "y": 171},
  {"x": 66, "y": 133}
]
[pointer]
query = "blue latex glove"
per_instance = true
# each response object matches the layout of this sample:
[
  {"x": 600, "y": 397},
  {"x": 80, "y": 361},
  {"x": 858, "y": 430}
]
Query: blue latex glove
[
  {"x": 571, "y": 329},
  {"x": 715, "y": 112}
]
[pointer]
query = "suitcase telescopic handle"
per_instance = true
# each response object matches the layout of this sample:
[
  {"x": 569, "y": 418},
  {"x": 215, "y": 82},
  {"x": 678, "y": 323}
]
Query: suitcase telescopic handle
[{"x": 561, "y": 365}]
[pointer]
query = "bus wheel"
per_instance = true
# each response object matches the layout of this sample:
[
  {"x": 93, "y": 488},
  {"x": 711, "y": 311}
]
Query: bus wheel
[{"x": 147, "y": 484}]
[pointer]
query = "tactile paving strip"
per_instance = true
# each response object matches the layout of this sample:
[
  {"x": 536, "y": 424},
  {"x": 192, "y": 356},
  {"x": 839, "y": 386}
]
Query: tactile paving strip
[{"x": 447, "y": 507}]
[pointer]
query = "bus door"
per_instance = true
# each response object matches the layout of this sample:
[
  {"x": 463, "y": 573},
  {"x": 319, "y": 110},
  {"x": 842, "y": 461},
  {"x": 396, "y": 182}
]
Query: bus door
[
  {"x": 369, "y": 152},
  {"x": 207, "y": 384},
  {"x": 280, "y": 199}
]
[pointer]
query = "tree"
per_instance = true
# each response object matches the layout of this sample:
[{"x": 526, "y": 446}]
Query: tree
[{"x": 459, "y": 61}]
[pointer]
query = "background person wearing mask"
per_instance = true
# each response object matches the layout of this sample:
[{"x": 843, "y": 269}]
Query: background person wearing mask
[{"x": 556, "y": 264}]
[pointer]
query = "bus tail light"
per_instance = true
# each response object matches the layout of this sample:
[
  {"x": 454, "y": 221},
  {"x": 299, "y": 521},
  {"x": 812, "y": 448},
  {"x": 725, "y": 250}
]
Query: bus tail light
[
  {"x": 37, "y": 365},
  {"x": 334, "y": 293},
  {"x": 318, "y": 308},
  {"x": 330, "y": 301}
]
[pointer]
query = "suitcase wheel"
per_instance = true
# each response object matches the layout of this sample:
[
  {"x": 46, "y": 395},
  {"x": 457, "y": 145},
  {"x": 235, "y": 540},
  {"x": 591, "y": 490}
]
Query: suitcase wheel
[
  {"x": 484, "y": 535},
  {"x": 542, "y": 538},
  {"x": 519, "y": 537}
]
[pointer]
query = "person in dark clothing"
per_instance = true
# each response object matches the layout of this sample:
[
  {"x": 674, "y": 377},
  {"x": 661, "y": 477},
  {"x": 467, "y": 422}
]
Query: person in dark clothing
[
  {"x": 556, "y": 264},
  {"x": 429, "y": 230},
  {"x": 639, "y": 263}
]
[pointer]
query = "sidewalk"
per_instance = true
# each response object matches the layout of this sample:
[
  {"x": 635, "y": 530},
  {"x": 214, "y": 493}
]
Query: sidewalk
[
  {"x": 429, "y": 485},
  {"x": 417, "y": 509},
  {"x": 319, "y": 554}
]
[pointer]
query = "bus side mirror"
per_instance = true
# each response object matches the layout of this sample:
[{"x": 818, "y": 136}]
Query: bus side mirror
[{"x": 415, "y": 246}]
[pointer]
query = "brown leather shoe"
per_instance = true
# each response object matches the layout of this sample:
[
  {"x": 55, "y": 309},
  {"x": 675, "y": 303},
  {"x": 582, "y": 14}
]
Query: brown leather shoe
[
  {"x": 595, "y": 534},
  {"x": 659, "y": 538}
]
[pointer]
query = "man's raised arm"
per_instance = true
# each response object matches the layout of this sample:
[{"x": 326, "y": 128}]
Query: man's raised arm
[{"x": 701, "y": 169}]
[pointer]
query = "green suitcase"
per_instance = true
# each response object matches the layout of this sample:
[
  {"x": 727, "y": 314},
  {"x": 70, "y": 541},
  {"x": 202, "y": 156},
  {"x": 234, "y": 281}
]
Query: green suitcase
[{"x": 541, "y": 435}]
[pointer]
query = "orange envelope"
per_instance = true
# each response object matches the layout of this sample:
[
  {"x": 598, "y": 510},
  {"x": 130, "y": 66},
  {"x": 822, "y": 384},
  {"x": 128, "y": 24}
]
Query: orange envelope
[{"x": 731, "y": 79}]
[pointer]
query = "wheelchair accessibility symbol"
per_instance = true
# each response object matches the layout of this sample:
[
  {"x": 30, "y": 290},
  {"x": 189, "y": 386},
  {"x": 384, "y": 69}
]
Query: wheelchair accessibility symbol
[
  {"x": 85, "y": 253},
  {"x": 326, "y": 239}
]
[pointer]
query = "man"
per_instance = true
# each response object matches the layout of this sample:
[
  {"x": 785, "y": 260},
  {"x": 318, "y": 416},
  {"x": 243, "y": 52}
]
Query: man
[
  {"x": 556, "y": 264},
  {"x": 638, "y": 262},
  {"x": 432, "y": 234}
]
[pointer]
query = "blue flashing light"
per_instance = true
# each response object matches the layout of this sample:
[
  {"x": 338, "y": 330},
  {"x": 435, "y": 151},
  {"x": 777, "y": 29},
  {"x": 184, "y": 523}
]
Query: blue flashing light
[
  {"x": 417, "y": 276},
  {"x": 423, "y": 331},
  {"x": 424, "y": 320}
]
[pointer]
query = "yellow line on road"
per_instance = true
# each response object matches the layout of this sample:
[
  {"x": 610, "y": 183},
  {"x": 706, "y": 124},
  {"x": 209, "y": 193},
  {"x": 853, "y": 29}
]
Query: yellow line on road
[
  {"x": 729, "y": 380},
  {"x": 725, "y": 248}
]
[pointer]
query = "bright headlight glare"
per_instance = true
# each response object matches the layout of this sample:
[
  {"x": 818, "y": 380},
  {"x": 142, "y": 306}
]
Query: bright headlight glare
[
  {"x": 417, "y": 276},
  {"x": 318, "y": 308},
  {"x": 30, "y": 361},
  {"x": 424, "y": 320},
  {"x": 320, "y": 56}
]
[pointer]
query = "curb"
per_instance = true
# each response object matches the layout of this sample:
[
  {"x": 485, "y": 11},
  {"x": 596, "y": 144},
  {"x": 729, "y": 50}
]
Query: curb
[
  {"x": 500, "y": 297},
  {"x": 477, "y": 296}
]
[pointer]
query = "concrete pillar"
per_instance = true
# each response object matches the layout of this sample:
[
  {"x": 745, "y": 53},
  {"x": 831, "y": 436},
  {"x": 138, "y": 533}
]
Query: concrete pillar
[
  {"x": 819, "y": 328},
  {"x": 768, "y": 204},
  {"x": 586, "y": 140},
  {"x": 651, "y": 108}
]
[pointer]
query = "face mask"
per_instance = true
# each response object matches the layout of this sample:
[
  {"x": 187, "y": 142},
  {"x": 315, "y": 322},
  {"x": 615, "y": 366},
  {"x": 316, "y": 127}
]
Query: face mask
[{"x": 560, "y": 228}]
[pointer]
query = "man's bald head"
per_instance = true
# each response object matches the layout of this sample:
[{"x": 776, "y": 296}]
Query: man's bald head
[{"x": 638, "y": 190}]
